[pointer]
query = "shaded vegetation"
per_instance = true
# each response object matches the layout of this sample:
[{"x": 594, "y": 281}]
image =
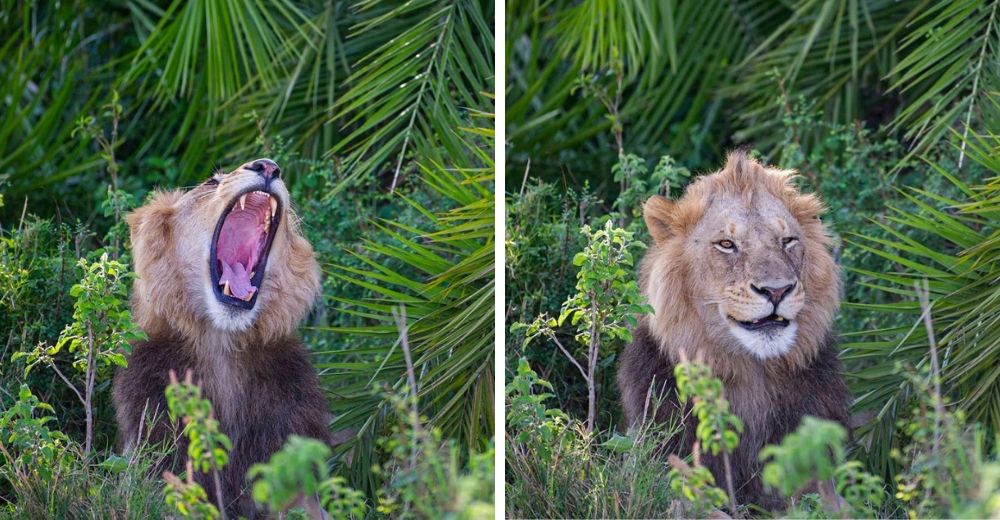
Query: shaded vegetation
[
  {"x": 379, "y": 114},
  {"x": 883, "y": 109}
]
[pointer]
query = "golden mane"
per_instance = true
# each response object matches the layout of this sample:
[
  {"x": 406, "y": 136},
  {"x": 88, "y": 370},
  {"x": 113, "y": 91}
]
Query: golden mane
[
  {"x": 672, "y": 271},
  {"x": 170, "y": 237}
]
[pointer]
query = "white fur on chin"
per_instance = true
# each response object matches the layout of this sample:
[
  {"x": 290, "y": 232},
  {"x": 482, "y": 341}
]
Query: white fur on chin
[
  {"x": 766, "y": 344},
  {"x": 229, "y": 319}
]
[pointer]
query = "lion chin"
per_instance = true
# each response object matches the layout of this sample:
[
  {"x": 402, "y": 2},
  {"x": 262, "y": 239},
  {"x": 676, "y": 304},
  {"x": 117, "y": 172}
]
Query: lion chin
[{"x": 768, "y": 343}]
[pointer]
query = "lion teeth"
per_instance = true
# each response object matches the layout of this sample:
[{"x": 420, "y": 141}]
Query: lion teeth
[
  {"x": 226, "y": 290},
  {"x": 274, "y": 206},
  {"x": 243, "y": 201}
]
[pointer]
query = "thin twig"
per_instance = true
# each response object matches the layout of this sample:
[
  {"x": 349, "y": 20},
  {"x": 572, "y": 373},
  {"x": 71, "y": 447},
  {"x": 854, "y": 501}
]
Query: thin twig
[
  {"x": 923, "y": 296},
  {"x": 975, "y": 84},
  {"x": 70, "y": 385},
  {"x": 89, "y": 390},
  {"x": 416, "y": 104},
  {"x": 595, "y": 343},
  {"x": 922, "y": 289},
  {"x": 727, "y": 466},
  {"x": 524, "y": 181},
  {"x": 411, "y": 377},
  {"x": 570, "y": 356}
]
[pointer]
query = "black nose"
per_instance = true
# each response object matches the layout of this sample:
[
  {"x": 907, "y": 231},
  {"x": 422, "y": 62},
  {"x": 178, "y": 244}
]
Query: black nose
[
  {"x": 773, "y": 294},
  {"x": 267, "y": 168}
]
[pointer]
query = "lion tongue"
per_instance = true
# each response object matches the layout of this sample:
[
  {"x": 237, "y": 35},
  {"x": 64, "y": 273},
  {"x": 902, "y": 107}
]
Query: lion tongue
[
  {"x": 238, "y": 279},
  {"x": 240, "y": 243}
]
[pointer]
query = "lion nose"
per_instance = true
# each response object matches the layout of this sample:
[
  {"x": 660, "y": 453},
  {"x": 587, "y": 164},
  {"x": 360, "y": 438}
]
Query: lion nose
[
  {"x": 266, "y": 168},
  {"x": 773, "y": 294}
]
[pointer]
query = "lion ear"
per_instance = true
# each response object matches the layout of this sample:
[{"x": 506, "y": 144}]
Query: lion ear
[
  {"x": 150, "y": 227},
  {"x": 658, "y": 212}
]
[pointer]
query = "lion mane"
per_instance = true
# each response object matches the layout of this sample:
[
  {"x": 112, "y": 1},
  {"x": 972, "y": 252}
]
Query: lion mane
[
  {"x": 224, "y": 276},
  {"x": 740, "y": 277}
]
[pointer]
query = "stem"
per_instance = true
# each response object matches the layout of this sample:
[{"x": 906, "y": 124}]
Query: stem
[
  {"x": 730, "y": 489},
  {"x": 570, "y": 356},
  {"x": 88, "y": 398},
  {"x": 411, "y": 378},
  {"x": 923, "y": 296},
  {"x": 218, "y": 491},
  {"x": 420, "y": 95},
  {"x": 975, "y": 84},
  {"x": 592, "y": 365},
  {"x": 70, "y": 385}
]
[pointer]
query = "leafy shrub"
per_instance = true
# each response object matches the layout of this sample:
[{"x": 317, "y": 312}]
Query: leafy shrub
[
  {"x": 31, "y": 451},
  {"x": 603, "y": 309},
  {"x": 426, "y": 476},
  {"x": 299, "y": 469},
  {"x": 99, "y": 335},
  {"x": 51, "y": 477},
  {"x": 555, "y": 468},
  {"x": 208, "y": 448},
  {"x": 812, "y": 456},
  {"x": 718, "y": 429}
]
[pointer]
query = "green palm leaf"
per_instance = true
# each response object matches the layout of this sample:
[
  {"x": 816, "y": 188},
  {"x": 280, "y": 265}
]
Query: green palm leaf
[
  {"x": 408, "y": 91},
  {"x": 447, "y": 292},
  {"x": 215, "y": 48},
  {"x": 948, "y": 60},
  {"x": 965, "y": 298}
]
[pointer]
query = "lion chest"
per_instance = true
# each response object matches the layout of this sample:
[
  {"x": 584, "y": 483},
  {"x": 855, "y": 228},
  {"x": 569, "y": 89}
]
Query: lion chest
[{"x": 759, "y": 404}]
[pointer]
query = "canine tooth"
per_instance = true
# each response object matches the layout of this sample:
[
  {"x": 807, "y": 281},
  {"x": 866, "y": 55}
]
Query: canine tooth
[
  {"x": 243, "y": 201},
  {"x": 274, "y": 205},
  {"x": 226, "y": 290}
]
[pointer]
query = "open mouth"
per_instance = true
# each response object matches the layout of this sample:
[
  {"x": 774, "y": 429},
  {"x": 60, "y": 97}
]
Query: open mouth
[
  {"x": 769, "y": 322},
  {"x": 240, "y": 247}
]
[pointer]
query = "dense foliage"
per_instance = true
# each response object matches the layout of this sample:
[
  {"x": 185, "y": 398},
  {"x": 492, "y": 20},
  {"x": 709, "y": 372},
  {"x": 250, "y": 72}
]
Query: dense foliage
[
  {"x": 379, "y": 114},
  {"x": 886, "y": 110}
]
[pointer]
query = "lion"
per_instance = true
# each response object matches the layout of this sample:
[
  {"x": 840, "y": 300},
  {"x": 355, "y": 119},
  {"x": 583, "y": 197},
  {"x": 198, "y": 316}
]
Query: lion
[
  {"x": 740, "y": 277},
  {"x": 224, "y": 276}
]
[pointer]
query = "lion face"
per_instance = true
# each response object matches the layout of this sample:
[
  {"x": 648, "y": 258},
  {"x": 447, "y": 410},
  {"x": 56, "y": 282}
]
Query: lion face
[
  {"x": 226, "y": 255},
  {"x": 740, "y": 267},
  {"x": 751, "y": 256}
]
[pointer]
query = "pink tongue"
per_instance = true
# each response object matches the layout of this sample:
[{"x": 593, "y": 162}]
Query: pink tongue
[
  {"x": 238, "y": 278},
  {"x": 239, "y": 245}
]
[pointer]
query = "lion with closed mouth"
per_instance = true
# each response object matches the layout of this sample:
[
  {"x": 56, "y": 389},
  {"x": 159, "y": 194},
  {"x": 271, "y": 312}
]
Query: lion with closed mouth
[
  {"x": 224, "y": 276},
  {"x": 740, "y": 277}
]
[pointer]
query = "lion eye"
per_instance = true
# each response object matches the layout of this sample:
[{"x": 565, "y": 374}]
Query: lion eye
[
  {"x": 788, "y": 241},
  {"x": 726, "y": 246},
  {"x": 212, "y": 181}
]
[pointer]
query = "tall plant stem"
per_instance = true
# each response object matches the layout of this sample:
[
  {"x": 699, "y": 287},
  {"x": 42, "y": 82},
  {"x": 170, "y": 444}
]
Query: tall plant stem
[
  {"x": 727, "y": 467},
  {"x": 218, "y": 491},
  {"x": 89, "y": 390}
]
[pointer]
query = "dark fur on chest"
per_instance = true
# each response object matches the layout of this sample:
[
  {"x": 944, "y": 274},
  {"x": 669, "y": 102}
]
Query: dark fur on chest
[
  {"x": 271, "y": 392},
  {"x": 817, "y": 390}
]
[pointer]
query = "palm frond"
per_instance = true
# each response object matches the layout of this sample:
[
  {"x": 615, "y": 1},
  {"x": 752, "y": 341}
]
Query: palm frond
[
  {"x": 215, "y": 48},
  {"x": 965, "y": 306},
  {"x": 447, "y": 291},
  {"x": 408, "y": 90},
  {"x": 633, "y": 32},
  {"x": 947, "y": 58}
]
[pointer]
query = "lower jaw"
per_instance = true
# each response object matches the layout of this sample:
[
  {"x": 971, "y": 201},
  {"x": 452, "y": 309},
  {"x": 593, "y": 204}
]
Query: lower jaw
[{"x": 767, "y": 326}]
